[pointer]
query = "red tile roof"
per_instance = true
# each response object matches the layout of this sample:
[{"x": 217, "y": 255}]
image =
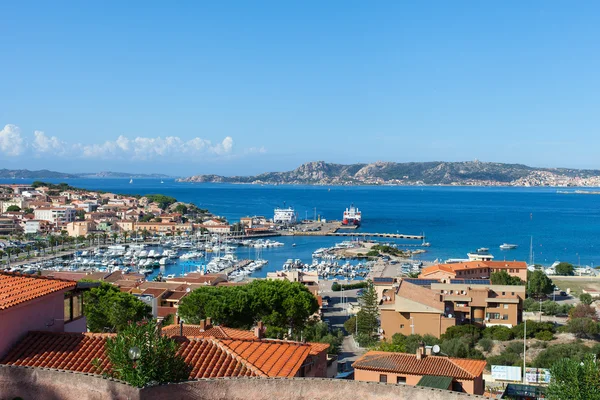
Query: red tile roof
[
  {"x": 16, "y": 288},
  {"x": 208, "y": 357},
  {"x": 317, "y": 348},
  {"x": 275, "y": 359},
  {"x": 403, "y": 363},
  {"x": 453, "y": 267},
  {"x": 219, "y": 332}
]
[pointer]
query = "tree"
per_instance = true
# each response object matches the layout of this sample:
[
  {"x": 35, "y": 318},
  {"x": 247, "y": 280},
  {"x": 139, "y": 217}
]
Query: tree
[
  {"x": 539, "y": 284},
  {"x": 564, "y": 268},
  {"x": 554, "y": 353},
  {"x": 318, "y": 332},
  {"x": 181, "y": 209},
  {"x": 158, "y": 360},
  {"x": 574, "y": 380},
  {"x": 80, "y": 215},
  {"x": 369, "y": 310},
  {"x": 280, "y": 305},
  {"x": 583, "y": 311},
  {"x": 503, "y": 278},
  {"x": 586, "y": 298},
  {"x": 13, "y": 208},
  {"x": 162, "y": 200},
  {"x": 109, "y": 309},
  {"x": 583, "y": 327}
]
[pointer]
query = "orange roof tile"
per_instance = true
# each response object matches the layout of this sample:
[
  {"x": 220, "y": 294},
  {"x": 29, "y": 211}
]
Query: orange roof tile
[
  {"x": 16, "y": 288},
  {"x": 275, "y": 359},
  {"x": 219, "y": 332},
  {"x": 453, "y": 267},
  {"x": 208, "y": 357},
  {"x": 420, "y": 294},
  {"x": 403, "y": 363},
  {"x": 317, "y": 348}
]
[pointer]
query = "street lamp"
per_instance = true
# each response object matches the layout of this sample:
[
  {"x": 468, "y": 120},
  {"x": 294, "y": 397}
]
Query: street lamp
[{"x": 135, "y": 353}]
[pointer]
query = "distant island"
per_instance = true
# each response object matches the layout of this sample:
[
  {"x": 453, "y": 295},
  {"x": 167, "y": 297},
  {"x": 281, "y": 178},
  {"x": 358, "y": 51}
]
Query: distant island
[
  {"x": 46, "y": 174},
  {"x": 468, "y": 173}
]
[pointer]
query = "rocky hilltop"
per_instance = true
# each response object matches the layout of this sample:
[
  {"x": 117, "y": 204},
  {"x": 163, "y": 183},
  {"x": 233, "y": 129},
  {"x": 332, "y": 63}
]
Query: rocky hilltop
[{"x": 474, "y": 173}]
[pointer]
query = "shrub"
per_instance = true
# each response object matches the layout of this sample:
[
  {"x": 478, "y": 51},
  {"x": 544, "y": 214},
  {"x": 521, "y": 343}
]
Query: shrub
[
  {"x": 583, "y": 311},
  {"x": 544, "y": 335},
  {"x": 515, "y": 347},
  {"x": 336, "y": 287},
  {"x": 586, "y": 298},
  {"x": 462, "y": 331},
  {"x": 548, "y": 357},
  {"x": 498, "y": 332},
  {"x": 583, "y": 327},
  {"x": 505, "y": 359},
  {"x": 486, "y": 344}
]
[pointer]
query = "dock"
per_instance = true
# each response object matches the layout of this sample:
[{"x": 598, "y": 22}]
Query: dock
[
  {"x": 381, "y": 235},
  {"x": 239, "y": 265}
]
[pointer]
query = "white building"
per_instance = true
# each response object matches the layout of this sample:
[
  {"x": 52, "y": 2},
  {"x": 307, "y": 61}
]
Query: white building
[
  {"x": 56, "y": 215},
  {"x": 32, "y": 226},
  {"x": 216, "y": 226},
  {"x": 284, "y": 216}
]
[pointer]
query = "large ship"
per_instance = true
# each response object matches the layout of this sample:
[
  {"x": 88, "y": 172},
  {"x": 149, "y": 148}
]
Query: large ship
[{"x": 352, "y": 216}]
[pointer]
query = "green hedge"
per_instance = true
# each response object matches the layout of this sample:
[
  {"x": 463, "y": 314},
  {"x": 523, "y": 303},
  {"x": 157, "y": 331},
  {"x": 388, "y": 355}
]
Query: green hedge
[{"x": 336, "y": 287}]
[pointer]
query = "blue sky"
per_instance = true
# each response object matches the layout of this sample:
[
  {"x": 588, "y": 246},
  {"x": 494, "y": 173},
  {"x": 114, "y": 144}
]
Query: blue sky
[{"x": 246, "y": 87}]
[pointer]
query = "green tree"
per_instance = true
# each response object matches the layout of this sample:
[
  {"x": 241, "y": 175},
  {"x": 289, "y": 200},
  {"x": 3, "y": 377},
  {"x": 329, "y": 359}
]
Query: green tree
[
  {"x": 554, "y": 353},
  {"x": 13, "y": 208},
  {"x": 107, "y": 309},
  {"x": 583, "y": 327},
  {"x": 319, "y": 332},
  {"x": 586, "y": 298},
  {"x": 181, "y": 209},
  {"x": 503, "y": 278},
  {"x": 281, "y": 305},
  {"x": 163, "y": 201},
  {"x": 539, "y": 285},
  {"x": 564, "y": 268},
  {"x": 158, "y": 361},
  {"x": 574, "y": 380},
  {"x": 369, "y": 310}
]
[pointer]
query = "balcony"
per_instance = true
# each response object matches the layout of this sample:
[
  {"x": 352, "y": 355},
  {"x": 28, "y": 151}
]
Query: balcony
[{"x": 455, "y": 297}]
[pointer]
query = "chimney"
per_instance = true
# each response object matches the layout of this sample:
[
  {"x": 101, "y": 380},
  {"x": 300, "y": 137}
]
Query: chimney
[
  {"x": 428, "y": 350},
  {"x": 259, "y": 330},
  {"x": 208, "y": 323},
  {"x": 420, "y": 351},
  {"x": 202, "y": 325}
]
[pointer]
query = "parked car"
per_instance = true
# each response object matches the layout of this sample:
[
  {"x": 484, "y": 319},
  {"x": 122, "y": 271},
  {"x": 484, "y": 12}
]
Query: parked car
[{"x": 563, "y": 293}]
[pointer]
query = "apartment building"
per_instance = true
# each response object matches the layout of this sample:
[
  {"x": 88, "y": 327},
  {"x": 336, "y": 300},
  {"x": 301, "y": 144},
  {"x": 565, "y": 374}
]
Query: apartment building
[
  {"x": 56, "y": 215},
  {"x": 474, "y": 270},
  {"x": 430, "y": 307}
]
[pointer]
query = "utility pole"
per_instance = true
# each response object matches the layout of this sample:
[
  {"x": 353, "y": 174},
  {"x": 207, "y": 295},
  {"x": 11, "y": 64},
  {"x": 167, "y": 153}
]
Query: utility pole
[{"x": 412, "y": 325}]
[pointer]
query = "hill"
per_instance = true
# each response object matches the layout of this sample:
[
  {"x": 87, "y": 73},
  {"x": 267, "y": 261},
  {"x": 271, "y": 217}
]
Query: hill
[{"x": 475, "y": 173}]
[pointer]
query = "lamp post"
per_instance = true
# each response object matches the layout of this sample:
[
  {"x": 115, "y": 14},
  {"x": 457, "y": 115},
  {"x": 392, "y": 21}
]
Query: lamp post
[{"x": 134, "y": 354}]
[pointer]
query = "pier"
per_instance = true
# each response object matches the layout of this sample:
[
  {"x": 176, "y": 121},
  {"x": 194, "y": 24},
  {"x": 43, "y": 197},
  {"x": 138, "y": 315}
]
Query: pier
[
  {"x": 238, "y": 265},
  {"x": 381, "y": 235}
]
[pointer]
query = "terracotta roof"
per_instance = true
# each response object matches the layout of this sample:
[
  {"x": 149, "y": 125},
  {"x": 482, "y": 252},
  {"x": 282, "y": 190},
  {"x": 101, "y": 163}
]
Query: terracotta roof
[
  {"x": 317, "y": 348},
  {"x": 16, "y": 288},
  {"x": 453, "y": 267},
  {"x": 420, "y": 295},
  {"x": 219, "y": 332},
  {"x": 165, "y": 311},
  {"x": 174, "y": 295},
  {"x": 275, "y": 359},
  {"x": 208, "y": 357},
  {"x": 74, "y": 276},
  {"x": 403, "y": 363},
  {"x": 154, "y": 292}
]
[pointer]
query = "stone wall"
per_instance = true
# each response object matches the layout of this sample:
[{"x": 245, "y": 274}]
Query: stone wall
[{"x": 36, "y": 383}]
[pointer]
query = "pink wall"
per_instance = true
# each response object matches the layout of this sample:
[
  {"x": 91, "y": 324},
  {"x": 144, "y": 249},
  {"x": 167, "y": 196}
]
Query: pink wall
[
  {"x": 34, "y": 315},
  {"x": 78, "y": 325}
]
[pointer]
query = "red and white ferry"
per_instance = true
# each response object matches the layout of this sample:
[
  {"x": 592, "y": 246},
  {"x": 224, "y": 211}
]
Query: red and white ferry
[{"x": 352, "y": 216}]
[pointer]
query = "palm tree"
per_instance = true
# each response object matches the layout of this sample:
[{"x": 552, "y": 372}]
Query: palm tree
[
  {"x": 8, "y": 251},
  {"x": 28, "y": 250},
  {"x": 104, "y": 237},
  {"x": 125, "y": 234},
  {"x": 115, "y": 235}
]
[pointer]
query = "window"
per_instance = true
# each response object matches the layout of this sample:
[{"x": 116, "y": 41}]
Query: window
[
  {"x": 73, "y": 306},
  {"x": 506, "y": 306},
  {"x": 492, "y": 316},
  {"x": 503, "y": 293},
  {"x": 401, "y": 326},
  {"x": 383, "y": 378},
  {"x": 401, "y": 380},
  {"x": 505, "y": 317}
]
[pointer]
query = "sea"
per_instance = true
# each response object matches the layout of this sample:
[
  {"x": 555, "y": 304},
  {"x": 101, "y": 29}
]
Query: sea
[{"x": 455, "y": 220}]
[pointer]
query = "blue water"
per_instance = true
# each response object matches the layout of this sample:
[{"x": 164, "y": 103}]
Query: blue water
[{"x": 455, "y": 220}]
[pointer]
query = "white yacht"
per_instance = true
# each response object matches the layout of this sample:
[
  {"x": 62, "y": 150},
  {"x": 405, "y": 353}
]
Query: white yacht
[{"x": 507, "y": 246}]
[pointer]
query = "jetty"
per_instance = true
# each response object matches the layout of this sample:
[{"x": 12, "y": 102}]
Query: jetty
[
  {"x": 381, "y": 235},
  {"x": 238, "y": 265}
]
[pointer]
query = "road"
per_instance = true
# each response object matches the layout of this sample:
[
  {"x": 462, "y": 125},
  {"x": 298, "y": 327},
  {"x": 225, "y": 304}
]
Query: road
[{"x": 337, "y": 313}]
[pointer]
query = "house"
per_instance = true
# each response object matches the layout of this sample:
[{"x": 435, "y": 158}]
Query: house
[
  {"x": 216, "y": 226},
  {"x": 474, "y": 270},
  {"x": 8, "y": 226},
  {"x": 308, "y": 279},
  {"x": 411, "y": 308},
  {"x": 32, "y": 227},
  {"x": 56, "y": 215},
  {"x": 80, "y": 228},
  {"x": 424, "y": 306},
  {"x": 421, "y": 369},
  {"x": 35, "y": 303}
]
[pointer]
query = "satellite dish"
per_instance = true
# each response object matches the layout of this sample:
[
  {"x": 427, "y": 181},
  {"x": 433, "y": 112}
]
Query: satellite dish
[
  {"x": 187, "y": 290},
  {"x": 436, "y": 349},
  {"x": 449, "y": 315}
]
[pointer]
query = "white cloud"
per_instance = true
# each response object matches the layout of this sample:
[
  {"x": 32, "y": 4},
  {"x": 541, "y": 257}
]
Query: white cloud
[
  {"x": 48, "y": 144},
  {"x": 11, "y": 142}
]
